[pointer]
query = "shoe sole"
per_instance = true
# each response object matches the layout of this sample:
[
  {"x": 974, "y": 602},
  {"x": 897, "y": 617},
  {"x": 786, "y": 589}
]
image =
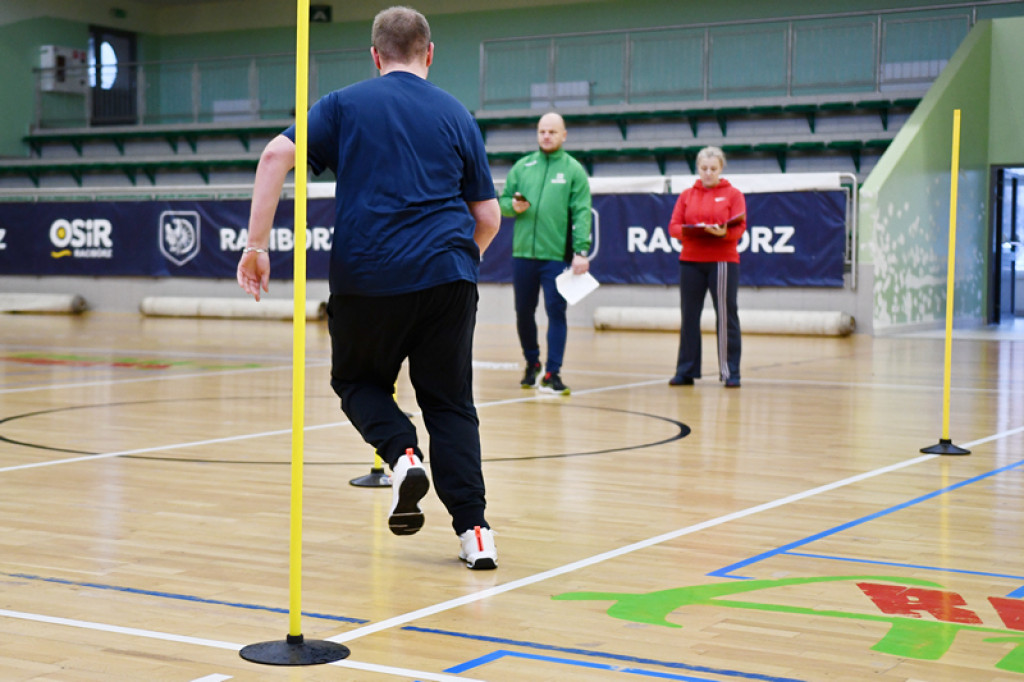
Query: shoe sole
[
  {"x": 482, "y": 564},
  {"x": 548, "y": 389},
  {"x": 407, "y": 518}
]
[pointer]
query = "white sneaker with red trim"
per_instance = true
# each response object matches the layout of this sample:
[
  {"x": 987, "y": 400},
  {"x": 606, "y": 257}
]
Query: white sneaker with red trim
[
  {"x": 409, "y": 483},
  {"x": 478, "y": 550}
]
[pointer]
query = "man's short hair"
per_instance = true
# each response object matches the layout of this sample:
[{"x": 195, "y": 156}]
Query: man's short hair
[{"x": 400, "y": 34}]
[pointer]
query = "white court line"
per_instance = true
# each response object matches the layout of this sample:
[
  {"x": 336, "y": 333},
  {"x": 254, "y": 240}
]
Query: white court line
[
  {"x": 130, "y": 352},
  {"x": 865, "y": 384},
  {"x": 118, "y": 630},
  {"x": 477, "y": 365},
  {"x": 230, "y": 439},
  {"x": 402, "y": 672},
  {"x": 279, "y": 432},
  {"x": 516, "y": 584},
  {"x": 643, "y": 544},
  {"x": 500, "y": 366},
  {"x": 497, "y": 366},
  {"x": 118, "y": 382},
  {"x": 615, "y": 553},
  {"x": 216, "y": 644},
  {"x": 164, "y": 448},
  {"x": 995, "y": 436}
]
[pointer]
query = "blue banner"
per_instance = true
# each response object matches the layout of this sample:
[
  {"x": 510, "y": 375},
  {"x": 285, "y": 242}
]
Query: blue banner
[
  {"x": 792, "y": 239},
  {"x": 152, "y": 238}
]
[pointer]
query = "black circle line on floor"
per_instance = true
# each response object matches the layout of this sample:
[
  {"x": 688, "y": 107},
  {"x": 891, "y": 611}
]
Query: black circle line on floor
[{"x": 684, "y": 431}]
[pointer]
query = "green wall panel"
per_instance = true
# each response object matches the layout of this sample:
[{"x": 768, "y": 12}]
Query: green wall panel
[
  {"x": 19, "y": 52},
  {"x": 1006, "y": 144},
  {"x": 904, "y": 220}
]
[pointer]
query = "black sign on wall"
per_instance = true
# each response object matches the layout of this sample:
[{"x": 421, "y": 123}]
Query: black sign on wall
[{"x": 320, "y": 14}]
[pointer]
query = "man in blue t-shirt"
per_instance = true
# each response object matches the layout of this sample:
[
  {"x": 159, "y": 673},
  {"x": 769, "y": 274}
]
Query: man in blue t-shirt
[{"x": 415, "y": 209}]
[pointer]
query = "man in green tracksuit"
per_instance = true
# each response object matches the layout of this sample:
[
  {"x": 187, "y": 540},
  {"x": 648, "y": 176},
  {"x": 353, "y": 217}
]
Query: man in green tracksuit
[{"x": 548, "y": 193}]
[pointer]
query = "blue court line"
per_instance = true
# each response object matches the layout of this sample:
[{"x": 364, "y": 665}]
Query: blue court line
[
  {"x": 501, "y": 653},
  {"x": 897, "y": 564},
  {"x": 1014, "y": 594},
  {"x": 727, "y": 571},
  {"x": 483, "y": 638},
  {"x": 599, "y": 654},
  {"x": 180, "y": 597}
]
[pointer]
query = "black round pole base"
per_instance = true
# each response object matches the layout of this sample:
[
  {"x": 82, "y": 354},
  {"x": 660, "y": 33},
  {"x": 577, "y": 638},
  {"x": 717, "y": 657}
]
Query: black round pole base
[
  {"x": 294, "y": 651},
  {"x": 375, "y": 479},
  {"x": 945, "y": 447}
]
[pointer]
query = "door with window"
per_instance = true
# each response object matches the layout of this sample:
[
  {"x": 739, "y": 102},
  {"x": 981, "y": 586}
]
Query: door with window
[
  {"x": 112, "y": 76},
  {"x": 1007, "y": 245}
]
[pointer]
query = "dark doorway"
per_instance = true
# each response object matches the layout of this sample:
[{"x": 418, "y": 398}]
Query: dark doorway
[
  {"x": 1006, "y": 248},
  {"x": 112, "y": 76}
]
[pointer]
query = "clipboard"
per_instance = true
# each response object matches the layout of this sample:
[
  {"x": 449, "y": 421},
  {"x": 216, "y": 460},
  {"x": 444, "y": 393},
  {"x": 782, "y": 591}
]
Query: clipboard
[
  {"x": 735, "y": 220},
  {"x": 574, "y": 288}
]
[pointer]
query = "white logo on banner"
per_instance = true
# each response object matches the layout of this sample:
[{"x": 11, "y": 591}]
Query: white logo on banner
[
  {"x": 82, "y": 238},
  {"x": 179, "y": 236},
  {"x": 757, "y": 239}
]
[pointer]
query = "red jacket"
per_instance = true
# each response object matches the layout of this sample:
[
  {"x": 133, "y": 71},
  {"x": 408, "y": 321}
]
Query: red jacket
[{"x": 715, "y": 206}]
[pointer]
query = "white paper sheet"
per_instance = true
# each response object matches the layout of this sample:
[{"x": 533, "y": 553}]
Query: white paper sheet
[{"x": 574, "y": 288}]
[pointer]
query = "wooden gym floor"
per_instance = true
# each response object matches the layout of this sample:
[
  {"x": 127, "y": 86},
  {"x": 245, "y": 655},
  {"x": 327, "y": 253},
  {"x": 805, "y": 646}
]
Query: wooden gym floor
[{"x": 790, "y": 530}]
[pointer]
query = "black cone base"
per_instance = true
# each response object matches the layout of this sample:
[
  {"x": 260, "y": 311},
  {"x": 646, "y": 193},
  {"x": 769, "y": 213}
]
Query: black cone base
[
  {"x": 375, "y": 479},
  {"x": 945, "y": 447},
  {"x": 294, "y": 651}
]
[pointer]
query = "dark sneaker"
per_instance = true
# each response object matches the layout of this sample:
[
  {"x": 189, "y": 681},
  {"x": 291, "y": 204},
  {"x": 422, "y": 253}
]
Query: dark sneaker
[
  {"x": 680, "y": 381},
  {"x": 732, "y": 382},
  {"x": 552, "y": 383},
  {"x": 409, "y": 483},
  {"x": 530, "y": 376}
]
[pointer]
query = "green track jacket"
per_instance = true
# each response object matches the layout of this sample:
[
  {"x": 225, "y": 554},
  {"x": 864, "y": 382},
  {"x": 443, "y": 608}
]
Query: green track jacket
[{"x": 557, "y": 187}]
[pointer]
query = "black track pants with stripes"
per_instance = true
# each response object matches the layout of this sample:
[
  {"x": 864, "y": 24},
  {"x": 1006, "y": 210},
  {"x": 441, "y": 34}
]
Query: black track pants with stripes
[{"x": 722, "y": 280}]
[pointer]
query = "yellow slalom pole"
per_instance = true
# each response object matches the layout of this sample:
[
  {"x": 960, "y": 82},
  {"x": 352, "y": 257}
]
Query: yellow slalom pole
[
  {"x": 950, "y": 270},
  {"x": 945, "y": 445},
  {"x": 299, "y": 315},
  {"x": 295, "y": 649}
]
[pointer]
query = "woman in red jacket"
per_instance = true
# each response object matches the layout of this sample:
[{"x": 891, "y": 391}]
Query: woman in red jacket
[{"x": 709, "y": 219}]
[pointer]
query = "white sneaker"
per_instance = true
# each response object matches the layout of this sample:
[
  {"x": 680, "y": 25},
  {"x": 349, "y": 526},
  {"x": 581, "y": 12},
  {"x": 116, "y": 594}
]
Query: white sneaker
[
  {"x": 478, "y": 550},
  {"x": 409, "y": 483}
]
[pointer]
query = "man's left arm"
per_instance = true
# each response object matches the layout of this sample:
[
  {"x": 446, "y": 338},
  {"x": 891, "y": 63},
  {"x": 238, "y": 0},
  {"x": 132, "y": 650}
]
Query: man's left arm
[{"x": 579, "y": 206}]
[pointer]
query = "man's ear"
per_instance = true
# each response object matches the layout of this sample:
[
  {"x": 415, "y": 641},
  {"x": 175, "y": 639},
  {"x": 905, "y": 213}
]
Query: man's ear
[
  {"x": 430, "y": 54},
  {"x": 376, "y": 57}
]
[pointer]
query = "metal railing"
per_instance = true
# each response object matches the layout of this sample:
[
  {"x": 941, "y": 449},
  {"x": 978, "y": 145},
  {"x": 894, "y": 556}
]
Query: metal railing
[
  {"x": 891, "y": 50},
  {"x": 806, "y": 55},
  {"x": 225, "y": 89}
]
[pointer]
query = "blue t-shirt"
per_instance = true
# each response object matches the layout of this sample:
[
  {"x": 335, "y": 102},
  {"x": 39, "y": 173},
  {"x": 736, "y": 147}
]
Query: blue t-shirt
[{"x": 407, "y": 156}]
